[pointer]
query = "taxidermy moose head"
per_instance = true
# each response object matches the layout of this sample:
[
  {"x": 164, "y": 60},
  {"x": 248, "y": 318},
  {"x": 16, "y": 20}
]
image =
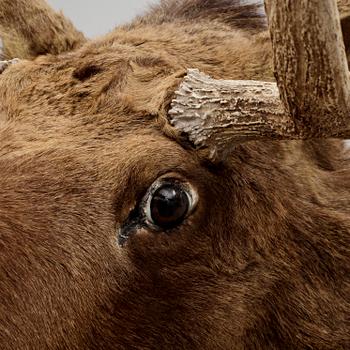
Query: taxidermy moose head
[{"x": 159, "y": 190}]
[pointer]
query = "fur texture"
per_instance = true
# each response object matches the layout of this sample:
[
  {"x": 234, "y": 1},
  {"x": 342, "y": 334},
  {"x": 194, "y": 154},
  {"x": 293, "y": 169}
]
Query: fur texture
[
  {"x": 32, "y": 28},
  {"x": 262, "y": 263}
]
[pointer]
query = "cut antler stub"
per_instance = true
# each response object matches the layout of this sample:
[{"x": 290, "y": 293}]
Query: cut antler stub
[
  {"x": 6, "y": 64},
  {"x": 215, "y": 114}
]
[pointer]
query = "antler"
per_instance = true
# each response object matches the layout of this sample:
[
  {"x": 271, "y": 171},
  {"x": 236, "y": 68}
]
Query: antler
[{"x": 313, "y": 95}]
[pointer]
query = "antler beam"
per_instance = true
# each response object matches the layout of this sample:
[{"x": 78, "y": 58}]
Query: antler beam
[
  {"x": 311, "y": 68},
  {"x": 312, "y": 99}
]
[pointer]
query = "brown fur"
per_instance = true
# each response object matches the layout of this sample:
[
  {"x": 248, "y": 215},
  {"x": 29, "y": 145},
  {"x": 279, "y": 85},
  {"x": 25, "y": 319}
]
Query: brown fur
[
  {"x": 32, "y": 28},
  {"x": 263, "y": 262}
]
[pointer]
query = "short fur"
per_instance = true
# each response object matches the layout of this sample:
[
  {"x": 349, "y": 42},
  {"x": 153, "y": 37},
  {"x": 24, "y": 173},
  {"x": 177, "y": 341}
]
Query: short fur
[{"x": 262, "y": 263}]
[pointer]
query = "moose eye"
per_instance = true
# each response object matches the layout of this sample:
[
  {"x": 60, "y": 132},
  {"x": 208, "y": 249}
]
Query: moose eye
[{"x": 168, "y": 203}]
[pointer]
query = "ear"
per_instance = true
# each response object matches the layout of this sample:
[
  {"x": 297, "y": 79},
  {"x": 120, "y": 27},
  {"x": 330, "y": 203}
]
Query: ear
[{"x": 29, "y": 28}]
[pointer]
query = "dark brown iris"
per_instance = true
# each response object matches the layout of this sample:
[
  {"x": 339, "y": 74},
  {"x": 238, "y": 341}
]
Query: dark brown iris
[{"x": 169, "y": 206}]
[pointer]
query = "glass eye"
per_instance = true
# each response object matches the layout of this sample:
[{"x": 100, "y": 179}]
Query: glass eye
[{"x": 169, "y": 203}]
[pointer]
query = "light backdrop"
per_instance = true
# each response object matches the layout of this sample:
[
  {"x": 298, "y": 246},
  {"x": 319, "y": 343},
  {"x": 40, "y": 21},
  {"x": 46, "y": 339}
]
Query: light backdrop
[{"x": 97, "y": 17}]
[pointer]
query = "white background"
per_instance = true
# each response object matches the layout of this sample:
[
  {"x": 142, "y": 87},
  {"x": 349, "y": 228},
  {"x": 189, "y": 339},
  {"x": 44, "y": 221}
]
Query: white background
[{"x": 97, "y": 17}]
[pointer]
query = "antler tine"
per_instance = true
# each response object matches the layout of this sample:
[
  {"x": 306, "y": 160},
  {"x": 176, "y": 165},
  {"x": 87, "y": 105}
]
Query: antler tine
[{"x": 312, "y": 98}]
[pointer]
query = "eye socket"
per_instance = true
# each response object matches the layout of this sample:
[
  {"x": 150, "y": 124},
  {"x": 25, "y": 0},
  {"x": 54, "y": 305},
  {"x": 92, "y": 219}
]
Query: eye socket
[{"x": 168, "y": 203}]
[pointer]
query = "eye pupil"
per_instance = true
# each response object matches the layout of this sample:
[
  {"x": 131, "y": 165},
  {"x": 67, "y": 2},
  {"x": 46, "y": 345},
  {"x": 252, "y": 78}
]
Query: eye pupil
[{"x": 169, "y": 206}]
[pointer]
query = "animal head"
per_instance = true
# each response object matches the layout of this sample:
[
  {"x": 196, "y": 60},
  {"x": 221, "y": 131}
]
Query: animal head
[{"x": 116, "y": 234}]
